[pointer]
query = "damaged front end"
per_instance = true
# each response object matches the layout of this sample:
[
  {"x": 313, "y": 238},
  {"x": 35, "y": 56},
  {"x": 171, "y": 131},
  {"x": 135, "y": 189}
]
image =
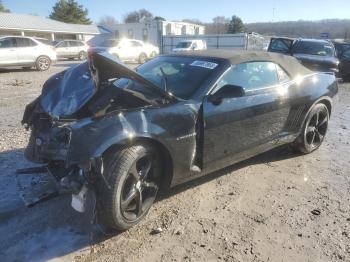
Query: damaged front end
[{"x": 70, "y": 123}]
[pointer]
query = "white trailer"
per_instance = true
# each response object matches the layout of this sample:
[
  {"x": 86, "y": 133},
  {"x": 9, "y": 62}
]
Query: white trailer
[{"x": 241, "y": 41}]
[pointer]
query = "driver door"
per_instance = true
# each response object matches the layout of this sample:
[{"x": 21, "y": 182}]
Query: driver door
[{"x": 234, "y": 128}]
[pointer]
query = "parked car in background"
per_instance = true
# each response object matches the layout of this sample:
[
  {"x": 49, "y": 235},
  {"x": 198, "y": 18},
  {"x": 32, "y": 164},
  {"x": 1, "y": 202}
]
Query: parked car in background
[
  {"x": 130, "y": 50},
  {"x": 343, "y": 53},
  {"x": 315, "y": 54},
  {"x": 26, "y": 52},
  {"x": 190, "y": 45},
  {"x": 71, "y": 49}
]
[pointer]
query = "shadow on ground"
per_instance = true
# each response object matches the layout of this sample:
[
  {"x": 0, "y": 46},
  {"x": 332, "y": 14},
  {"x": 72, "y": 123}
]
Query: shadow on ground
[
  {"x": 53, "y": 229},
  {"x": 16, "y": 69}
]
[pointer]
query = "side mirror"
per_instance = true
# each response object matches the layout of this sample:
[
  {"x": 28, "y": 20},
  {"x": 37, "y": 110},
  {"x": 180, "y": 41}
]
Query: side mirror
[{"x": 227, "y": 91}]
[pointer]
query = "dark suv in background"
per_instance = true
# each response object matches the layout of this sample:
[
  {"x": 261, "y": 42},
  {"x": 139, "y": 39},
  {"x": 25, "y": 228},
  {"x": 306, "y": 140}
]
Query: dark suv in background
[
  {"x": 343, "y": 53},
  {"x": 315, "y": 54}
]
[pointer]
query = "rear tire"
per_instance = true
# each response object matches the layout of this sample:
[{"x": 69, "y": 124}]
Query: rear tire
[
  {"x": 142, "y": 58},
  {"x": 314, "y": 130},
  {"x": 130, "y": 185},
  {"x": 43, "y": 63}
]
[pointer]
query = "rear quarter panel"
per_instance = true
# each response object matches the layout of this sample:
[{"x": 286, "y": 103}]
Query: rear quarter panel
[{"x": 306, "y": 92}]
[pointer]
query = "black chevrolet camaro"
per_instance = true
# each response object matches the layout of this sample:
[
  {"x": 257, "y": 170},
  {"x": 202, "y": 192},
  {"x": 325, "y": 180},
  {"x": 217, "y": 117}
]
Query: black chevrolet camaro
[{"x": 127, "y": 134}]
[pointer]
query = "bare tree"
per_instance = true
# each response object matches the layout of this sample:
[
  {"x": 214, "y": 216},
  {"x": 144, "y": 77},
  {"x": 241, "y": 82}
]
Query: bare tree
[
  {"x": 220, "y": 24},
  {"x": 107, "y": 21},
  {"x": 335, "y": 27},
  {"x": 137, "y": 16}
]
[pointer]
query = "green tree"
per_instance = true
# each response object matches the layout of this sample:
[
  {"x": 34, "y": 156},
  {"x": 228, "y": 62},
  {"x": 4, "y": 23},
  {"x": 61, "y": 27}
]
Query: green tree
[
  {"x": 3, "y": 9},
  {"x": 236, "y": 25},
  {"x": 69, "y": 11}
]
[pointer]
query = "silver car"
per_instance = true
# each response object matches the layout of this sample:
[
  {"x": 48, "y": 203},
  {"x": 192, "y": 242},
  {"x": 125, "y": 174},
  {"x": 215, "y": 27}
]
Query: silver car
[
  {"x": 71, "y": 49},
  {"x": 130, "y": 50},
  {"x": 26, "y": 52}
]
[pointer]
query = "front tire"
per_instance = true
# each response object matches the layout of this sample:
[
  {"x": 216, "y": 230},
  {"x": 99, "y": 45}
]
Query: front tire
[
  {"x": 314, "y": 130},
  {"x": 130, "y": 186},
  {"x": 43, "y": 63}
]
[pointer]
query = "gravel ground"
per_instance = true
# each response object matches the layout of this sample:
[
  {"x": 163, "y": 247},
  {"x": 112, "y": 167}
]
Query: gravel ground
[{"x": 275, "y": 207}]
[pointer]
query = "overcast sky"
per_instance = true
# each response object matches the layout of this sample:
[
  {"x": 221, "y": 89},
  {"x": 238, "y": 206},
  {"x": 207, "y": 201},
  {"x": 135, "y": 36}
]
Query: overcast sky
[{"x": 204, "y": 10}]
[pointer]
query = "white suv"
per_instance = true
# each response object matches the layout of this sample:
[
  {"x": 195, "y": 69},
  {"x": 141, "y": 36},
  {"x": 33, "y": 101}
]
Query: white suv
[
  {"x": 25, "y": 52},
  {"x": 71, "y": 49},
  {"x": 131, "y": 49}
]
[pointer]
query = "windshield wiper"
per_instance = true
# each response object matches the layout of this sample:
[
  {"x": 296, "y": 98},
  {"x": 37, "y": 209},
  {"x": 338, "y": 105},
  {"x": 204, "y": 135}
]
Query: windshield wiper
[{"x": 165, "y": 80}]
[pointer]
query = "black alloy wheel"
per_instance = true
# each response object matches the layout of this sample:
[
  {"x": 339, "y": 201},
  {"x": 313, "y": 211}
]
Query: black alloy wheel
[
  {"x": 315, "y": 129},
  {"x": 129, "y": 186},
  {"x": 139, "y": 190}
]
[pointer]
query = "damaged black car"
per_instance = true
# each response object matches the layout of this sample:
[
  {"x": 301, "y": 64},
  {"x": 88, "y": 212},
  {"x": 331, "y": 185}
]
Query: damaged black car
[{"x": 126, "y": 134}]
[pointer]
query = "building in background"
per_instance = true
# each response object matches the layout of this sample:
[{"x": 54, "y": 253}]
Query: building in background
[
  {"x": 30, "y": 25},
  {"x": 150, "y": 31}
]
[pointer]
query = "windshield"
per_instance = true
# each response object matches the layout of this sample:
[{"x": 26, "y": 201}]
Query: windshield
[
  {"x": 183, "y": 45},
  {"x": 183, "y": 75},
  {"x": 314, "y": 48}
]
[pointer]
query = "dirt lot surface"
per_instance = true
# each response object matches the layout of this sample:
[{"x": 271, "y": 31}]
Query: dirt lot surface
[{"x": 276, "y": 207}]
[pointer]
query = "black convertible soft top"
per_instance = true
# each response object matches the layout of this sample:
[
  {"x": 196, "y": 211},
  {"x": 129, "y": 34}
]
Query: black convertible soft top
[{"x": 288, "y": 63}]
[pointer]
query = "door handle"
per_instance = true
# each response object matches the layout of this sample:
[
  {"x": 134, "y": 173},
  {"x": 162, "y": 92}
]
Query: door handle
[{"x": 12, "y": 49}]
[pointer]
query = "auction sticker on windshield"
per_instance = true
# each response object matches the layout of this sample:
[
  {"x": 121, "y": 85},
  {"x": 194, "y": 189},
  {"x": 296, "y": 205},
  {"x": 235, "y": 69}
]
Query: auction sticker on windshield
[{"x": 205, "y": 64}]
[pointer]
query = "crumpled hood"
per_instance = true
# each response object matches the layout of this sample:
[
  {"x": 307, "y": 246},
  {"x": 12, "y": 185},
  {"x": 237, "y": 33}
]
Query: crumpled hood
[{"x": 65, "y": 93}]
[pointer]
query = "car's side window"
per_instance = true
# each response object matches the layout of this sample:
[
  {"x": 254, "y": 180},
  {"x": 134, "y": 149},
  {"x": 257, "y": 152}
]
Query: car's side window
[
  {"x": 7, "y": 42},
  {"x": 24, "y": 42},
  {"x": 73, "y": 43},
  {"x": 251, "y": 75},
  {"x": 346, "y": 54},
  {"x": 63, "y": 44},
  {"x": 135, "y": 44},
  {"x": 280, "y": 45}
]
